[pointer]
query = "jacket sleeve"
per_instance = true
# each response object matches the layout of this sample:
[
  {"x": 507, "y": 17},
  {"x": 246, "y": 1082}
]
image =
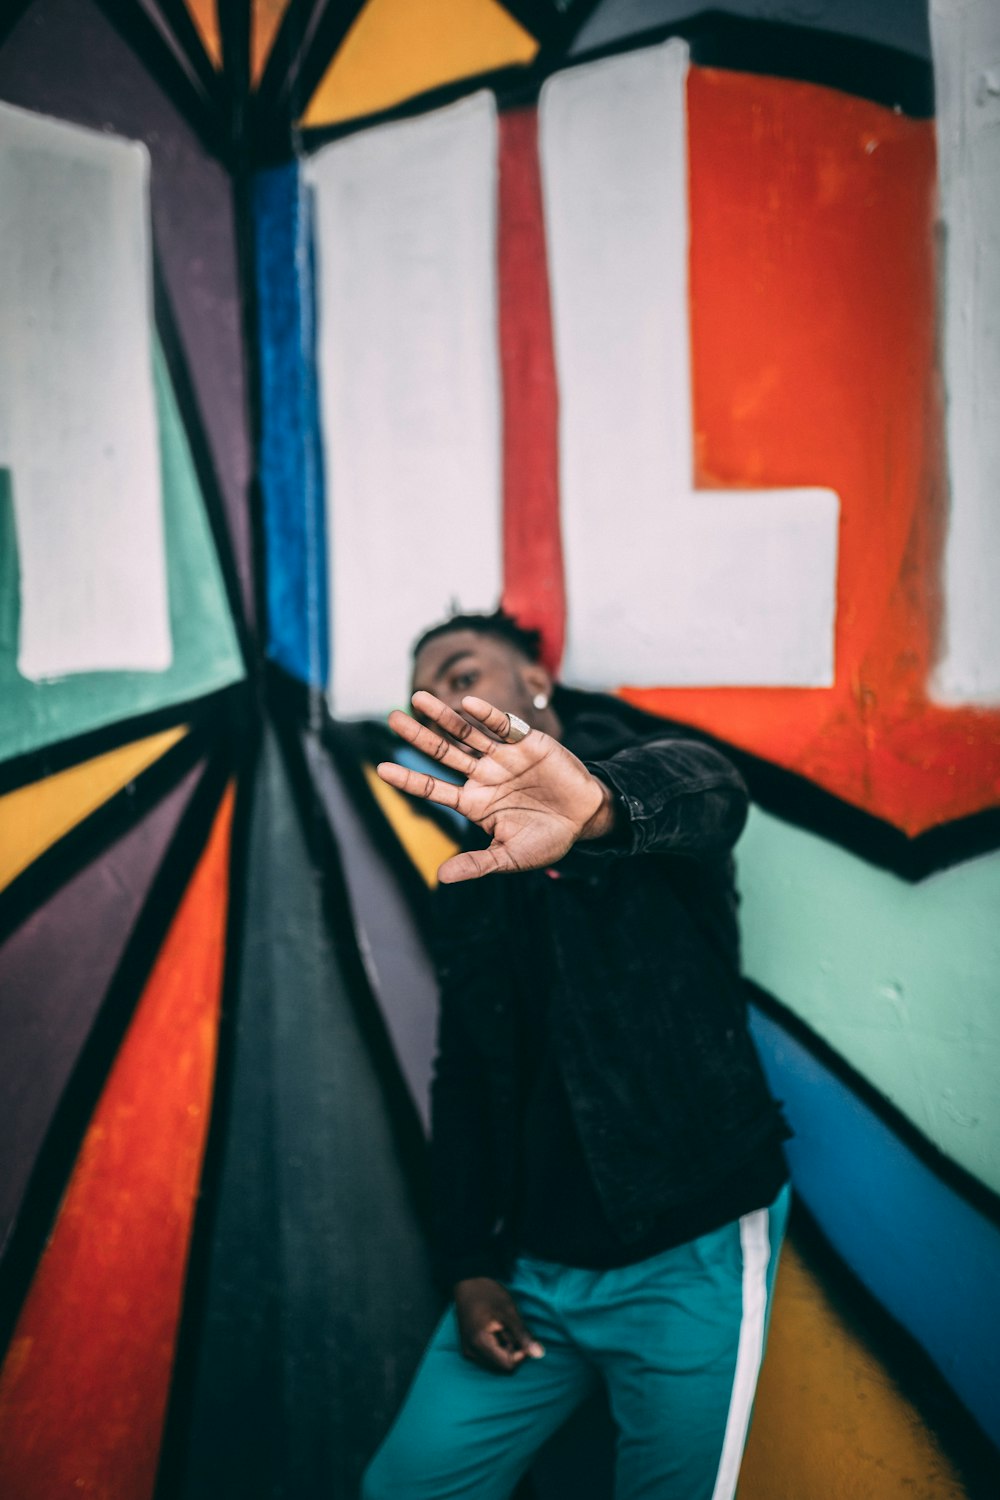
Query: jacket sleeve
[
  {"x": 464, "y": 1205},
  {"x": 673, "y": 796}
]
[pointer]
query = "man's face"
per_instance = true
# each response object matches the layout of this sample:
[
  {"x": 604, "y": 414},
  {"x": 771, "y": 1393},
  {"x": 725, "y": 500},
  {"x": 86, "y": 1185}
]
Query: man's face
[{"x": 461, "y": 662}]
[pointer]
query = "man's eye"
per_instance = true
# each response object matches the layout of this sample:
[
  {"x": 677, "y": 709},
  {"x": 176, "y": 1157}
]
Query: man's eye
[{"x": 464, "y": 682}]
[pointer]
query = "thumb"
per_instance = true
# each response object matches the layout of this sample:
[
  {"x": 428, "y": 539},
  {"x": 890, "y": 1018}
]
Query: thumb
[{"x": 474, "y": 863}]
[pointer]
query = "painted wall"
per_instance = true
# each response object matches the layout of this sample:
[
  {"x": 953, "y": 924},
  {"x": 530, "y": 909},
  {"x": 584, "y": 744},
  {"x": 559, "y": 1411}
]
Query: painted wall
[{"x": 652, "y": 358}]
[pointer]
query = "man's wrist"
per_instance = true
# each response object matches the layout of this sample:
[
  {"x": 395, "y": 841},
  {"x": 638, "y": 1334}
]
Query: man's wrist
[{"x": 604, "y": 820}]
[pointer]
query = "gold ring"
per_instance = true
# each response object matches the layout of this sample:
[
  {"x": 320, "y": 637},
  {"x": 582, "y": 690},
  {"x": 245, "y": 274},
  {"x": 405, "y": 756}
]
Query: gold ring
[{"x": 518, "y": 729}]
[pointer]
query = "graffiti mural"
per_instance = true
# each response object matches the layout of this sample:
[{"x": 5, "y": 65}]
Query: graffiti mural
[{"x": 320, "y": 323}]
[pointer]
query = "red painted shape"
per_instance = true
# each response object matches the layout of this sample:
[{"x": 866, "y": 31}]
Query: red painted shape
[
  {"x": 813, "y": 317},
  {"x": 533, "y": 567},
  {"x": 83, "y": 1391}
]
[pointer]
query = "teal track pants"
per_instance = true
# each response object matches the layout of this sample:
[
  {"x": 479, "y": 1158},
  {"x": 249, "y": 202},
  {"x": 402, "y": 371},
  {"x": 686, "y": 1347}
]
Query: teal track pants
[{"x": 677, "y": 1341}]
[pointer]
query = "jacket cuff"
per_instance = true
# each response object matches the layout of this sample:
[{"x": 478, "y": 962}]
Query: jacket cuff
[
  {"x": 489, "y": 1261},
  {"x": 626, "y": 837}
]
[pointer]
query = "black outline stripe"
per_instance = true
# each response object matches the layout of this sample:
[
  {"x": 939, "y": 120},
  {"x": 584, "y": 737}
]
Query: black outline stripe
[
  {"x": 194, "y": 1307},
  {"x": 275, "y": 122},
  {"x": 202, "y": 457},
  {"x": 868, "y": 70},
  {"x": 404, "y": 1120},
  {"x": 797, "y": 800},
  {"x": 47, "y": 760},
  {"x": 235, "y": 21},
  {"x": 236, "y": 47},
  {"x": 188, "y": 40},
  {"x": 140, "y": 32},
  {"x": 318, "y": 55},
  {"x": 907, "y": 1363},
  {"x": 63, "y": 1140},
  {"x": 103, "y": 826},
  {"x": 351, "y": 749},
  {"x": 294, "y": 30},
  {"x": 539, "y": 18},
  {"x": 12, "y": 13},
  {"x": 563, "y": 35},
  {"x": 957, "y": 1179},
  {"x": 246, "y": 255},
  {"x": 853, "y": 65},
  {"x": 803, "y": 803},
  {"x": 350, "y": 745}
]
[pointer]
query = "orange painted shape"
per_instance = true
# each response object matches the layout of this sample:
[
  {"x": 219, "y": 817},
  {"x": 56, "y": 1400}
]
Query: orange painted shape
[
  {"x": 267, "y": 16},
  {"x": 265, "y": 20},
  {"x": 813, "y": 315},
  {"x": 83, "y": 1391},
  {"x": 397, "y": 49},
  {"x": 206, "y": 18}
]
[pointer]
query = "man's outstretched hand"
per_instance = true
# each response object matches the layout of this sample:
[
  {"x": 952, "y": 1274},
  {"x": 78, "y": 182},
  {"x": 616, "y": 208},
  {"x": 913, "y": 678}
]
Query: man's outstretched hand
[{"x": 534, "y": 799}]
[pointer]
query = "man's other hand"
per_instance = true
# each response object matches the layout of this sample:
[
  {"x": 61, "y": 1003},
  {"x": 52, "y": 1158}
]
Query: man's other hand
[
  {"x": 492, "y": 1332},
  {"x": 533, "y": 797}
]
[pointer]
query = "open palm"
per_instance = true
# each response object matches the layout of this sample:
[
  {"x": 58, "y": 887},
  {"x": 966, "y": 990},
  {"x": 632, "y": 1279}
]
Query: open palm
[{"x": 535, "y": 799}]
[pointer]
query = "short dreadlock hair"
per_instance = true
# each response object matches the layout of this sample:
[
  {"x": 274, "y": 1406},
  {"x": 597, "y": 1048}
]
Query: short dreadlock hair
[{"x": 499, "y": 624}]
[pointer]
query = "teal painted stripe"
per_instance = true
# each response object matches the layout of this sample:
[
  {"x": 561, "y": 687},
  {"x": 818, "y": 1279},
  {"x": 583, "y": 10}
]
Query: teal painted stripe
[
  {"x": 206, "y": 647},
  {"x": 902, "y": 980}
]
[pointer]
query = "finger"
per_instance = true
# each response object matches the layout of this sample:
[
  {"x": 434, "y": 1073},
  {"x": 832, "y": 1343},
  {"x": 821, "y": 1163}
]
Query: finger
[
  {"x": 490, "y": 1357},
  {"x": 474, "y": 863},
  {"x": 524, "y": 1342},
  {"x": 495, "y": 720},
  {"x": 489, "y": 1350},
  {"x": 431, "y": 743},
  {"x": 452, "y": 722},
  {"x": 419, "y": 784}
]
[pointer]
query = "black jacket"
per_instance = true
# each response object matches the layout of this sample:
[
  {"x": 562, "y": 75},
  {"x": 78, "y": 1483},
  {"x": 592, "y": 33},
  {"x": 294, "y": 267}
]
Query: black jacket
[{"x": 646, "y": 1007}]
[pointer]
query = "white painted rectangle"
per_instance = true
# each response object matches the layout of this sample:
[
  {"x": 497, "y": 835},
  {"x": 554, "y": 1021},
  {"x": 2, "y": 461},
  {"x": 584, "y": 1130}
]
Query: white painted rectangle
[
  {"x": 966, "y": 45},
  {"x": 665, "y": 585},
  {"x": 78, "y": 425},
  {"x": 405, "y": 220}
]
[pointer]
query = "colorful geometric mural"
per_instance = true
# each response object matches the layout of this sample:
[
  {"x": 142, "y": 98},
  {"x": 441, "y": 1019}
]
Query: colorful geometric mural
[{"x": 336, "y": 317}]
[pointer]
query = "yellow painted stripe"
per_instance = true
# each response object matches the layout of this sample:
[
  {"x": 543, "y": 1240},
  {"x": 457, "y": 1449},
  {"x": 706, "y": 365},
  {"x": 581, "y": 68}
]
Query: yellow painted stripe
[
  {"x": 424, "y": 842},
  {"x": 399, "y": 48},
  {"x": 35, "y": 817},
  {"x": 829, "y": 1424}
]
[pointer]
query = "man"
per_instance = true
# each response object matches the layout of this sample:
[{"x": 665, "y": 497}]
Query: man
[{"x": 610, "y": 1190}]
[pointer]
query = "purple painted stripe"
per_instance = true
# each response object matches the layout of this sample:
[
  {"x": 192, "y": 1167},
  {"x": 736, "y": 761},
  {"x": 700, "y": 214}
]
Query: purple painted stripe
[{"x": 54, "y": 973}]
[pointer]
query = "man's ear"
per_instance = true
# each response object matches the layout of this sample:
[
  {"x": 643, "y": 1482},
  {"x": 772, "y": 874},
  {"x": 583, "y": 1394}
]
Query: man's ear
[{"x": 538, "y": 680}]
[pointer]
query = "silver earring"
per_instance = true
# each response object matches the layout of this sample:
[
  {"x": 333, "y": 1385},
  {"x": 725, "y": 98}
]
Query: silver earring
[{"x": 540, "y": 700}]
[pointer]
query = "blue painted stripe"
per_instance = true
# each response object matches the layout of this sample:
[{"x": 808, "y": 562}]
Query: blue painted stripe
[
  {"x": 927, "y": 1255},
  {"x": 291, "y": 464}
]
